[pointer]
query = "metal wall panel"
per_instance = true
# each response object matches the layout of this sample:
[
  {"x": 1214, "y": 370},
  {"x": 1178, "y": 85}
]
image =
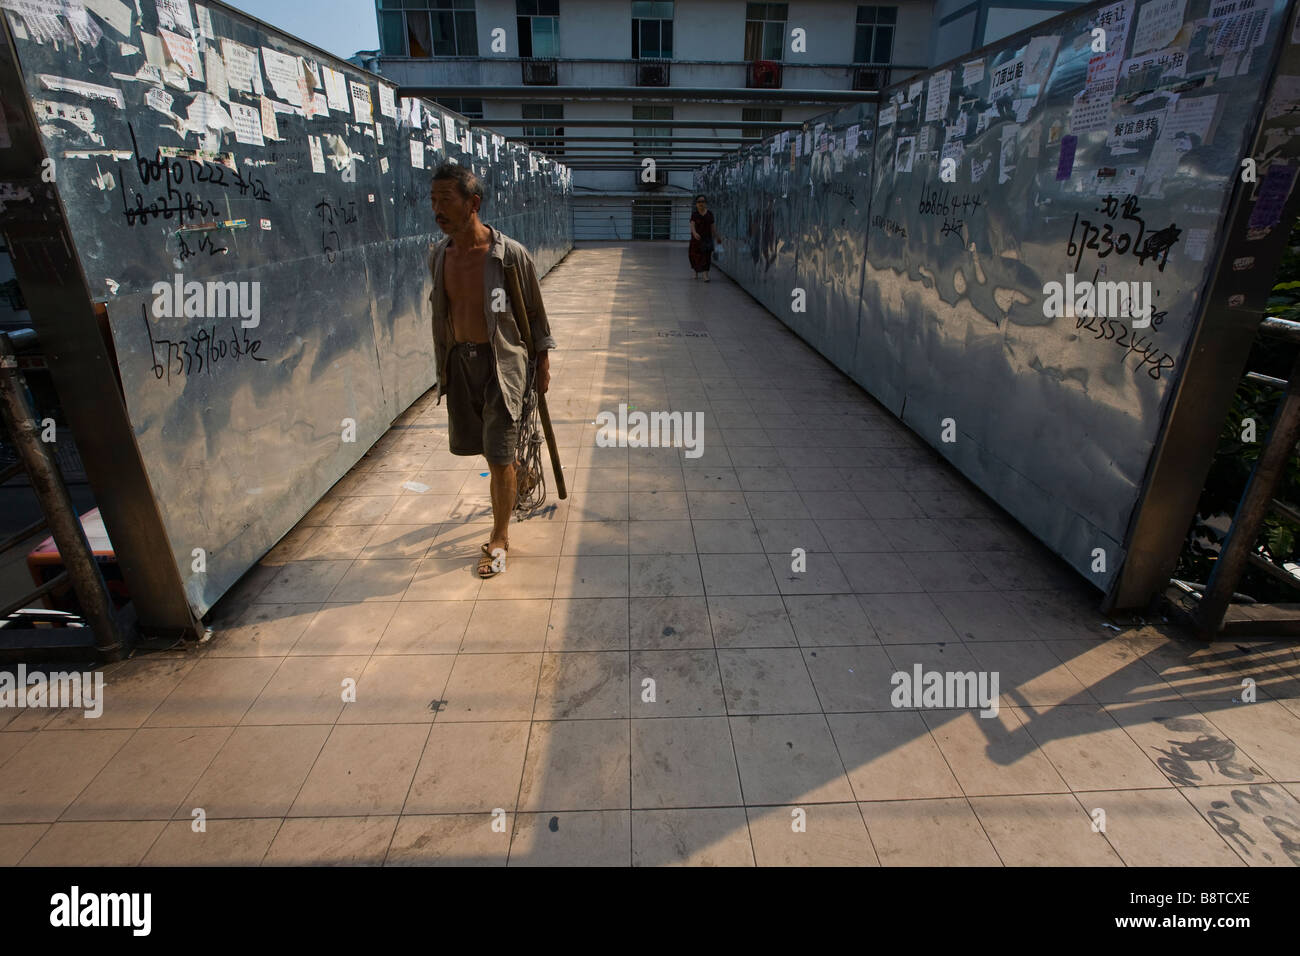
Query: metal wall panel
[
  {"x": 242, "y": 426},
  {"x": 1056, "y": 417}
]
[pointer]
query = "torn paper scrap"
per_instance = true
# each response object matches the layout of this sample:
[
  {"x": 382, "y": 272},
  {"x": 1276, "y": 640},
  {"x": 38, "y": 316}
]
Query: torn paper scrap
[
  {"x": 159, "y": 100},
  {"x": 113, "y": 12},
  {"x": 183, "y": 52},
  {"x": 270, "y": 129},
  {"x": 90, "y": 91},
  {"x": 317, "y": 157}
]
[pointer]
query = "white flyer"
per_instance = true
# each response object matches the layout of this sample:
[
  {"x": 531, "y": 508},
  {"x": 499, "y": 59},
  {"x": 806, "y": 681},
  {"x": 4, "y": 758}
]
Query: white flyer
[
  {"x": 417, "y": 153},
  {"x": 1158, "y": 22},
  {"x": 386, "y": 105},
  {"x": 1089, "y": 114},
  {"x": 241, "y": 65},
  {"x": 204, "y": 16},
  {"x": 361, "y": 108},
  {"x": 174, "y": 15},
  {"x": 248, "y": 124},
  {"x": 283, "y": 72},
  {"x": 317, "y": 156},
  {"x": 936, "y": 105},
  {"x": 336, "y": 90}
]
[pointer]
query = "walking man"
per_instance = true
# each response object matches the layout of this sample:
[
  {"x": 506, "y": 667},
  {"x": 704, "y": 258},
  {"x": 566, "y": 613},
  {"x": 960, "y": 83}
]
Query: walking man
[{"x": 481, "y": 359}]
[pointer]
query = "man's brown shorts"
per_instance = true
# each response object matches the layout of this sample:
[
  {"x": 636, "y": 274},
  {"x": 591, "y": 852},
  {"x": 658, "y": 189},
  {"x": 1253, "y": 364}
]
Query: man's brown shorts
[{"x": 478, "y": 422}]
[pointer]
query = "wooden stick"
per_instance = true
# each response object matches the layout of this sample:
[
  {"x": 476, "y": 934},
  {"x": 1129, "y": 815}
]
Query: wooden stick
[{"x": 515, "y": 291}]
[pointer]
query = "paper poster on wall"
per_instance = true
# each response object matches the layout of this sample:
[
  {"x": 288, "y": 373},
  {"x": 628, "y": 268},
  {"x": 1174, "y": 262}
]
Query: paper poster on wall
[
  {"x": 248, "y": 124},
  {"x": 936, "y": 104},
  {"x": 903, "y": 154},
  {"x": 336, "y": 90},
  {"x": 386, "y": 105},
  {"x": 1006, "y": 79},
  {"x": 448, "y": 128},
  {"x": 1038, "y": 58},
  {"x": 362, "y": 111},
  {"x": 241, "y": 65},
  {"x": 174, "y": 15},
  {"x": 417, "y": 153},
  {"x": 204, "y": 17},
  {"x": 183, "y": 51},
  {"x": 270, "y": 128},
  {"x": 1270, "y": 200},
  {"x": 283, "y": 72},
  {"x": 1089, "y": 115},
  {"x": 1158, "y": 22},
  {"x": 317, "y": 156}
]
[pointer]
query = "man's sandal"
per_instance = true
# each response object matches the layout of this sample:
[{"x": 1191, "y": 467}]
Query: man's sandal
[{"x": 487, "y": 566}]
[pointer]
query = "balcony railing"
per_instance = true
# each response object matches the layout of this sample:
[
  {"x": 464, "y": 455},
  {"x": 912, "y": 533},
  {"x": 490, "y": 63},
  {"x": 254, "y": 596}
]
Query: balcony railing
[
  {"x": 652, "y": 72},
  {"x": 763, "y": 75},
  {"x": 541, "y": 72},
  {"x": 575, "y": 71}
]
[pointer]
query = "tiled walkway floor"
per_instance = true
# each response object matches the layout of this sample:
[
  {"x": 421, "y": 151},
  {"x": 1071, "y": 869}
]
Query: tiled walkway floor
[{"x": 513, "y": 720}]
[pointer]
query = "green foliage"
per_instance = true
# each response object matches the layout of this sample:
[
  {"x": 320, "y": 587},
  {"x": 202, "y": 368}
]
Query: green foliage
[{"x": 1234, "y": 458}]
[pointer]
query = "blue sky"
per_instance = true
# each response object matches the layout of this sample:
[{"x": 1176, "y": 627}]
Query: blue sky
[{"x": 341, "y": 27}]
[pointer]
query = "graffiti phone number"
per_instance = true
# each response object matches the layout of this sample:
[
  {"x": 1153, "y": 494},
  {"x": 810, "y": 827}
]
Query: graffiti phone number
[
  {"x": 1107, "y": 237},
  {"x": 1151, "y": 357},
  {"x": 200, "y": 352}
]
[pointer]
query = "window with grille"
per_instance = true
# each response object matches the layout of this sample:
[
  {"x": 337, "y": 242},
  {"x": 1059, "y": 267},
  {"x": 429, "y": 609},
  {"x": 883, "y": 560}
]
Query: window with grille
[
  {"x": 546, "y": 138},
  {"x": 765, "y": 30},
  {"x": 651, "y": 147},
  {"x": 652, "y": 218},
  {"x": 755, "y": 114},
  {"x": 652, "y": 30},
  {"x": 874, "y": 40},
  {"x": 427, "y": 28},
  {"x": 539, "y": 27}
]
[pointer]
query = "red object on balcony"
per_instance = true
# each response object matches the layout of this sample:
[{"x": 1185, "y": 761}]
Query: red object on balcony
[{"x": 765, "y": 75}]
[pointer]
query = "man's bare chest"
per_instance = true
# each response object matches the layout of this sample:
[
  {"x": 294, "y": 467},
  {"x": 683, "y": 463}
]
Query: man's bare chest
[{"x": 463, "y": 276}]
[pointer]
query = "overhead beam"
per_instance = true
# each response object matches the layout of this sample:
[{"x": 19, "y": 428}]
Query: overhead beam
[
  {"x": 645, "y": 94},
  {"x": 625, "y": 122},
  {"x": 725, "y": 140}
]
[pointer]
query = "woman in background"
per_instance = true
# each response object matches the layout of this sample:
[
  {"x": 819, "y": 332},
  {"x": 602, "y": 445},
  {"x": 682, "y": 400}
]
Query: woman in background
[{"x": 702, "y": 237}]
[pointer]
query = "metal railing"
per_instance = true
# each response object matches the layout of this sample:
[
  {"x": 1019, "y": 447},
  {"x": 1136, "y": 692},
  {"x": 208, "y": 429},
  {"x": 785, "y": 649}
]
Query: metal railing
[
  {"x": 18, "y": 421},
  {"x": 1239, "y": 548}
]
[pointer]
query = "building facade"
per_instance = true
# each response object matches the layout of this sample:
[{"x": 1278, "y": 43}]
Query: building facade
[{"x": 625, "y": 69}]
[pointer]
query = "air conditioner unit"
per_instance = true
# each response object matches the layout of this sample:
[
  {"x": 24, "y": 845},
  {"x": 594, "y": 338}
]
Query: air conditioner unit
[
  {"x": 652, "y": 74},
  {"x": 659, "y": 182},
  {"x": 764, "y": 75},
  {"x": 541, "y": 72},
  {"x": 868, "y": 78}
]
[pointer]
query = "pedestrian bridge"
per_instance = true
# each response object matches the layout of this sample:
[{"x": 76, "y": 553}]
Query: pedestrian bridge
[{"x": 650, "y": 682}]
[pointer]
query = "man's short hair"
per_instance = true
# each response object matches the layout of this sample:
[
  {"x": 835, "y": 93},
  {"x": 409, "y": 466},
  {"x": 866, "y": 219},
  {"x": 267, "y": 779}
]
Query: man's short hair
[
  {"x": 464, "y": 178},
  {"x": 699, "y": 197}
]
